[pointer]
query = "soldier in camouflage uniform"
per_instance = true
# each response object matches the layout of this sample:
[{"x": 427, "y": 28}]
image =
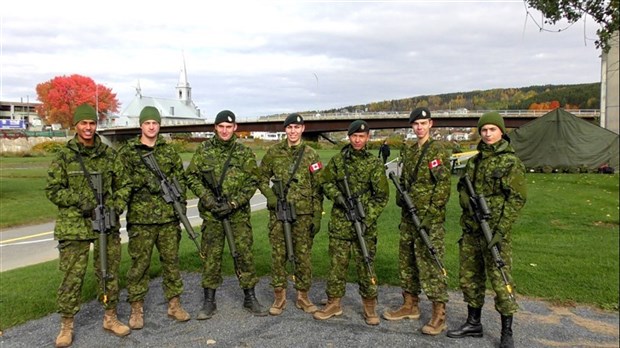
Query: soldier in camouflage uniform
[
  {"x": 297, "y": 166},
  {"x": 70, "y": 188},
  {"x": 426, "y": 178},
  {"x": 497, "y": 174},
  {"x": 151, "y": 222},
  {"x": 234, "y": 167},
  {"x": 368, "y": 183}
]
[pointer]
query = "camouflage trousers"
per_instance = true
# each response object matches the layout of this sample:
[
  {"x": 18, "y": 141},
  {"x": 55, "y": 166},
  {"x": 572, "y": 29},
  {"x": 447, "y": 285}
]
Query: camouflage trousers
[
  {"x": 476, "y": 263},
  {"x": 73, "y": 262},
  {"x": 212, "y": 246},
  {"x": 142, "y": 239},
  {"x": 340, "y": 252},
  {"x": 417, "y": 267},
  {"x": 302, "y": 249}
]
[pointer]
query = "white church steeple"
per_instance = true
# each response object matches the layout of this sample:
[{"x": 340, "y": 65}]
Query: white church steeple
[{"x": 184, "y": 91}]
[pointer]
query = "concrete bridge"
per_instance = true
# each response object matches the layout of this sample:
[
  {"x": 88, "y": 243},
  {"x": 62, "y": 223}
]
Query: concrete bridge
[{"x": 318, "y": 124}]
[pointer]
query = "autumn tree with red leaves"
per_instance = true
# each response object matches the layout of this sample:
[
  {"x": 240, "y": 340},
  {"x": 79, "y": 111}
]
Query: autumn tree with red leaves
[{"x": 61, "y": 95}]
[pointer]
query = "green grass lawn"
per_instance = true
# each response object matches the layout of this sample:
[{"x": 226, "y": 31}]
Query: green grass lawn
[{"x": 565, "y": 242}]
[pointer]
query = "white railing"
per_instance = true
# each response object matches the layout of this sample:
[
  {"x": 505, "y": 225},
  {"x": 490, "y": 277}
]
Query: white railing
[{"x": 439, "y": 113}]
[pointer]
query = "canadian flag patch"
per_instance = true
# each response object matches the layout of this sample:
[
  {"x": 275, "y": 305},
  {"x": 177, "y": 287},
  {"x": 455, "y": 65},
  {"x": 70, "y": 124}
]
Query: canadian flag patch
[
  {"x": 434, "y": 163},
  {"x": 315, "y": 167}
]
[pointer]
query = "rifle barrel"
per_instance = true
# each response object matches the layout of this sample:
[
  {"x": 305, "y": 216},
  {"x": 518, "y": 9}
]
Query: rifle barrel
[
  {"x": 481, "y": 213},
  {"x": 417, "y": 224},
  {"x": 355, "y": 214},
  {"x": 171, "y": 194}
]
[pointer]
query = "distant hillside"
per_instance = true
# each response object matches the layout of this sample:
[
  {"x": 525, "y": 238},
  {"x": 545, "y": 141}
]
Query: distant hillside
[{"x": 581, "y": 96}]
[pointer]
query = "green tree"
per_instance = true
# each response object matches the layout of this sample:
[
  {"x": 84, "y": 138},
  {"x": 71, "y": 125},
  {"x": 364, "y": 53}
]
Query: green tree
[{"x": 604, "y": 12}]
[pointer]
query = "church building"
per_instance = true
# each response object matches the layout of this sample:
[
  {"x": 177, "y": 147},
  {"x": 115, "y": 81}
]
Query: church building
[{"x": 174, "y": 111}]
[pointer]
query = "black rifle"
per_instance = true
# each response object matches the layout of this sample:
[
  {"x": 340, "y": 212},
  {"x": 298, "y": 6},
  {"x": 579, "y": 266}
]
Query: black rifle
[
  {"x": 355, "y": 214},
  {"x": 220, "y": 198},
  {"x": 482, "y": 213},
  {"x": 171, "y": 192},
  {"x": 285, "y": 212},
  {"x": 413, "y": 214},
  {"x": 104, "y": 220}
]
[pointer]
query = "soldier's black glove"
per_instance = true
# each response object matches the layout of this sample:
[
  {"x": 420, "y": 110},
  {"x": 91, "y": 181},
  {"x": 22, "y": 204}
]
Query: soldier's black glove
[
  {"x": 399, "y": 200},
  {"x": 223, "y": 209},
  {"x": 208, "y": 202}
]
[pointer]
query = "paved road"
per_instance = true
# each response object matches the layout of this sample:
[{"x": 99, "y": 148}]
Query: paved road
[
  {"x": 29, "y": 245},
  {"x": 538, "y": 324}
]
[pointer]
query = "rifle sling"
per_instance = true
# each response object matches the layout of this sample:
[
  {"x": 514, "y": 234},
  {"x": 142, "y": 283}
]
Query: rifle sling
[
  {"x": 295, "y": 167},
  {"x": 86, "y": 174},
  {"x": 226, "y": 165},
  {"x": 346, "y": 173},
  {"x": 417, "y": 165}
]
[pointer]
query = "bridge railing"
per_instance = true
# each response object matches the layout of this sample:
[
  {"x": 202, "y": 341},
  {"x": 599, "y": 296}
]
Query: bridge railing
[{"x": 442, "y": 113}]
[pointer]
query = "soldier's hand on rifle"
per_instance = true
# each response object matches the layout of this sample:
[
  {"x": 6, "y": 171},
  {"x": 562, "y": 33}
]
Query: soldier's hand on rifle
[
  {"x": 224, "y": 209},
  {"x": 399, "y": 200},
  {"x": 463, "y": 196},
  {"x": 87, "y": 205},
  {"x": 340, "y": 200},
  {"x": 117, "y": 206},
  {"x": 208, "y": 202},
  {"x": 497, "y": 238},
  {"x": 426, "y": 223},
  {"x": 153, "y": 185},
  {"x": 272, "y": 201}
]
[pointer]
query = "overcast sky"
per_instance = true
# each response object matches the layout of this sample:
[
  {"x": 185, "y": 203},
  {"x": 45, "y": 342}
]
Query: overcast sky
[{"x": 265, "y": 57}]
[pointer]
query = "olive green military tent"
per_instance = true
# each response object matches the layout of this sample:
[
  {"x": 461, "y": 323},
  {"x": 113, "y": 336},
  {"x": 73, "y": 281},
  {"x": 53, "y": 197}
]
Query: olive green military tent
[{"x": 561, "y": 140}]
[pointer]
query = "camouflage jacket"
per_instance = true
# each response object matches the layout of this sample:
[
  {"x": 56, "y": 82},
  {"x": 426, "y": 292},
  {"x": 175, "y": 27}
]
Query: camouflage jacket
[
  {"x": 239, "y": 182},
  {"x": 305, "y": 189},
  {"x": 140, "y": 187},
  {"x": 498, "y": 174},
  {"x": 429, "y": 188},
  {"x": 367, "y": 181},
  {"x": 67, "y": 186}
]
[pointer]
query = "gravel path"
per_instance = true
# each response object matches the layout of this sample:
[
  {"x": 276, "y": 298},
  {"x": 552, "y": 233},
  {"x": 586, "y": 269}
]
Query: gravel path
[{"x": 537, "y": 324}]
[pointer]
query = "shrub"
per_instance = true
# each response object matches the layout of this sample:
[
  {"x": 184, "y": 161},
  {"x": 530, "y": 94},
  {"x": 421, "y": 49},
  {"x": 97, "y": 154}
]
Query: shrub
[
  {"x": 47, "y": 147},
  {"x": 182, "y": 145}
]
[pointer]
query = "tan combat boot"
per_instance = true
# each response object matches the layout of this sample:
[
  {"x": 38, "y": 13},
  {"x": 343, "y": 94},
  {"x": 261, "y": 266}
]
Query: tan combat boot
[
  {"x": 136, "y": 318},
  {"x": 303, "y": 302},
  {"x": 370, "y": 314},
  {"x": 409, "y": 309},
  {"x": 111, "y": 323},
  {"x": 175, "y": 310},
  {"x": 279, "y": 303},
  {"x": 65, "y": 337},
  {"x": 332, "y": 308},
  {"x": 438, "y": 320}
]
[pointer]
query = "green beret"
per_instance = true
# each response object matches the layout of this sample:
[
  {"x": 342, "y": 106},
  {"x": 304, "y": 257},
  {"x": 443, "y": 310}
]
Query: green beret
[
  {"x": 358, "y": 126},
  {"x": 225, "y": 116},
  {"x": 84, "y": 112},
  {"x": 150, "y": 113},
  {"x": 492, "y": 118},
  {"x": 293, "y": 118},
  {"x": 419, "y": 114}
]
